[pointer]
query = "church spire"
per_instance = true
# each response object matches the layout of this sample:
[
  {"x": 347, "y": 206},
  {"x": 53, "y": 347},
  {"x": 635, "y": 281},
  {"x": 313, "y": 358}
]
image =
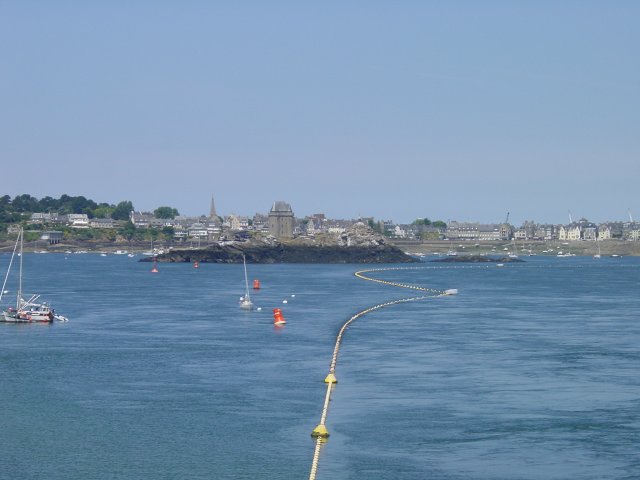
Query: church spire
[{"x": 212, "y": 210}]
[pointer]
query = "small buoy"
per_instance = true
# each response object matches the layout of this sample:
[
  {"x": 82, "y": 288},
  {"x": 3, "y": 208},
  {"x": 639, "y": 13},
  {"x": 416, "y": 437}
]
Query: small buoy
[
  {"x": 284, "y": 301},
  {"x": 155, "y": 266},
  {"x": 256, "y": 284},
  {"x": 278, "y": 319},
  {"x": 292, "y": 296},
  {"x": 195, "y": 264},
  {"x": 259, "y": 309}
]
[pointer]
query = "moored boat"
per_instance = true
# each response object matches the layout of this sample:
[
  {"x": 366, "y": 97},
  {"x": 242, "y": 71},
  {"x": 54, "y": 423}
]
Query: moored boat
[
  {"x": 245, "y": 300},
  {"x": 26, "y": 311}
]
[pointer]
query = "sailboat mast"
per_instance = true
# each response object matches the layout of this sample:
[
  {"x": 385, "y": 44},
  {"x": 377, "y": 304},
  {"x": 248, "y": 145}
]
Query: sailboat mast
[
  {"x": 246, "y": 280},
  {"x": 21, "y": 235},
  {"x": 6, "y": 277}
]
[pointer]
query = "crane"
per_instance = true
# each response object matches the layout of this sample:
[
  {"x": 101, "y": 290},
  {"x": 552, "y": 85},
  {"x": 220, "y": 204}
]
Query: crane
[{"x": 507, "y": 220}]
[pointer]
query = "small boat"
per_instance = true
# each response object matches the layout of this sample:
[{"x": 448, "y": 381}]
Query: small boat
[
  {"x": 245, "y": 300},
  {"x": 26, "y": 311},
  {"x": 514, "y": 254},
  {"x": 597, "y": 255}
]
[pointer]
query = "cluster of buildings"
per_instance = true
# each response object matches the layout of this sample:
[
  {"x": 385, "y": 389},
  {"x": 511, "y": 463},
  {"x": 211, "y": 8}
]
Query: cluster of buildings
[
  {"x": 281, "y": 223},
  {"x": 574, "y": 231}
]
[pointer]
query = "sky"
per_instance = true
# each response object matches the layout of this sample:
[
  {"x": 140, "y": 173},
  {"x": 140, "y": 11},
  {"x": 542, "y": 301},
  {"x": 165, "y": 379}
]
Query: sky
[{"x": 450, "y": 110}]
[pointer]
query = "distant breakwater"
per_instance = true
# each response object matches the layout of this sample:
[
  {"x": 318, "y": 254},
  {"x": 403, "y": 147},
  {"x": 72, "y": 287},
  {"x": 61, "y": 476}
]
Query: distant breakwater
[
  {"x": 476, "y": 259},
  {"x": 285, "y": 253}
]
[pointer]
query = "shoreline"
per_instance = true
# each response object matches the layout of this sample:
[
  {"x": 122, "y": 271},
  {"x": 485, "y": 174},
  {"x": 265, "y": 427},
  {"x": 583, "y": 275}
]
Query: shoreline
[
  {"x": 412, "y": 247},
  {"x": 580, "y": 248}
]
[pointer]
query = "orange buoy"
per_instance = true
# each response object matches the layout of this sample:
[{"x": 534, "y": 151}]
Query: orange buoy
[
  {"x": 195, "y": 264},
  {"x": 278, "y": 319},
  {"x": 256, "y": 284},
  {"x": 155, "y": 266}
]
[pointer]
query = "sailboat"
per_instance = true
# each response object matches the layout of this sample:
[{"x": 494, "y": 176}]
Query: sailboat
[
  {"x": 26, "y": 311},
  {"x": 245, "y": 301},
  {"x": 597, "y": 255},
  {"x": 514, "y": 254}
]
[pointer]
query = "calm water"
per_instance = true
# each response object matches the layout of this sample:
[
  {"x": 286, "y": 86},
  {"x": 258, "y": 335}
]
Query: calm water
[{"x": 531, "y": 372}]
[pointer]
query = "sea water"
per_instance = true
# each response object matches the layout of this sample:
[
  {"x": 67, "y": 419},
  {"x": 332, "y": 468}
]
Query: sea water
[{"x": 530, "y": 372}]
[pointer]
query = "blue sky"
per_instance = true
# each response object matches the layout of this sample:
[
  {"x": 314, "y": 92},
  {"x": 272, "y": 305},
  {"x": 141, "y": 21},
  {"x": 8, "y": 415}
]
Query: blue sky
[{"x": 397, "y": 110}]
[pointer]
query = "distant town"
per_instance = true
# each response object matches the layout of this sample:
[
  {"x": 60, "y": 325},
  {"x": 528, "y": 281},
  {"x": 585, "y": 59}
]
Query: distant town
[{"x": 77, "y": 218}]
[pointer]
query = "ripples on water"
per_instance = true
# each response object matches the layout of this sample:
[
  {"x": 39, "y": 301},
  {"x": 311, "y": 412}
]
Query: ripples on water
[{"x": 529, "y": 373}]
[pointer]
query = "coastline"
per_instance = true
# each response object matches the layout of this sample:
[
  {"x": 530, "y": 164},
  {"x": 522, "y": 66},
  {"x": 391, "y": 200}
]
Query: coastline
[
  {"x": 524, "y": 248},
  {"x": 411, "y": 247}
]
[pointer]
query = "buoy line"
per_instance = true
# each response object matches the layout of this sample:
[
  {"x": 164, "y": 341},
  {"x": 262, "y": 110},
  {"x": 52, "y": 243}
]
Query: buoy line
[{"x": 320, "y": 433}]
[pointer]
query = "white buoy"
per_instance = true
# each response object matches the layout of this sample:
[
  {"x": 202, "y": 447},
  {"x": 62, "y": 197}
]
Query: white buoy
[
  {"x": 292, "y": 295},
  {"x": 284, "y": 301},
  {"x": 259, "y": 308}
]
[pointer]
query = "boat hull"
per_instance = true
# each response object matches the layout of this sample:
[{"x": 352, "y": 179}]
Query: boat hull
[{"x": 12, "y": 317}]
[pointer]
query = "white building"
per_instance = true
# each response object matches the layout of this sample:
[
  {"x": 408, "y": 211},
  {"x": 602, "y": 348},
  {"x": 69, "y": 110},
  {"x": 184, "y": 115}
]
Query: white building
[{"x": 78, "y": 220}]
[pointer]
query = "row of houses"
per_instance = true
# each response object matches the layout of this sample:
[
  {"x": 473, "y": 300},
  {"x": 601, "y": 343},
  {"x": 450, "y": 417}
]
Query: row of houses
[
  {"x": 75, "y": 220},
  {"x": 582, "y": 230}
]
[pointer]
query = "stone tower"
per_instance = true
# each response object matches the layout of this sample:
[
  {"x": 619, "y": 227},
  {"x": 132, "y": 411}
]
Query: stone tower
[{"x": 281, "y": 220}]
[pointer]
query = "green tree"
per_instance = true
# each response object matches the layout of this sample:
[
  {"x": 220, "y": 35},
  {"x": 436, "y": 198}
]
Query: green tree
[
  {"x": 25, "y": 203},
  {"x": 421, "y": 221},
  {"x": 127, "y": 230},
  {"x": 439, "y": 224},
  {"x": 165, "y": 212},
  {"x": 375, "y": 226},
  {"x": 47, "y": 204},
  {"x": 103, "y": 212},
  {"x": 122, "y": 211}
]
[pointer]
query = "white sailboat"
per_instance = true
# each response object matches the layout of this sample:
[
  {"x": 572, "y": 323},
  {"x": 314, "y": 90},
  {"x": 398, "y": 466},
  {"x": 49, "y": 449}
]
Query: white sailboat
[
  {"x": 597, "y": 255},
  {"x": 26, "y": 311},
  {"x": 245, "y": 301}
]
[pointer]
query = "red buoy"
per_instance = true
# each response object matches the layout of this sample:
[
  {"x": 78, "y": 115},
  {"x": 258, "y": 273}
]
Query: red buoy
[
  {"x": 278, "y": 319},
  {"x": 256, "y": 284}
]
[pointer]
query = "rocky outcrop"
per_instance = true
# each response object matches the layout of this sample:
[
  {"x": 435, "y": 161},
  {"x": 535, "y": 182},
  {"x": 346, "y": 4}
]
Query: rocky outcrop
[{"x": 357, "y": 245}]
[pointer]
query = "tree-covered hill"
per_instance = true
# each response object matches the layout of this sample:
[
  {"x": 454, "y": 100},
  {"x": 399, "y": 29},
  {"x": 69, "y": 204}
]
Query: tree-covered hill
[{"x": 22, "y": 206}]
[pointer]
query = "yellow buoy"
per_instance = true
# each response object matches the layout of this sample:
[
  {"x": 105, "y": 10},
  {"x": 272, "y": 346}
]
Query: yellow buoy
[
  {"x": 320, "y": 431},
  {"x": 331, "y": 378}
]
